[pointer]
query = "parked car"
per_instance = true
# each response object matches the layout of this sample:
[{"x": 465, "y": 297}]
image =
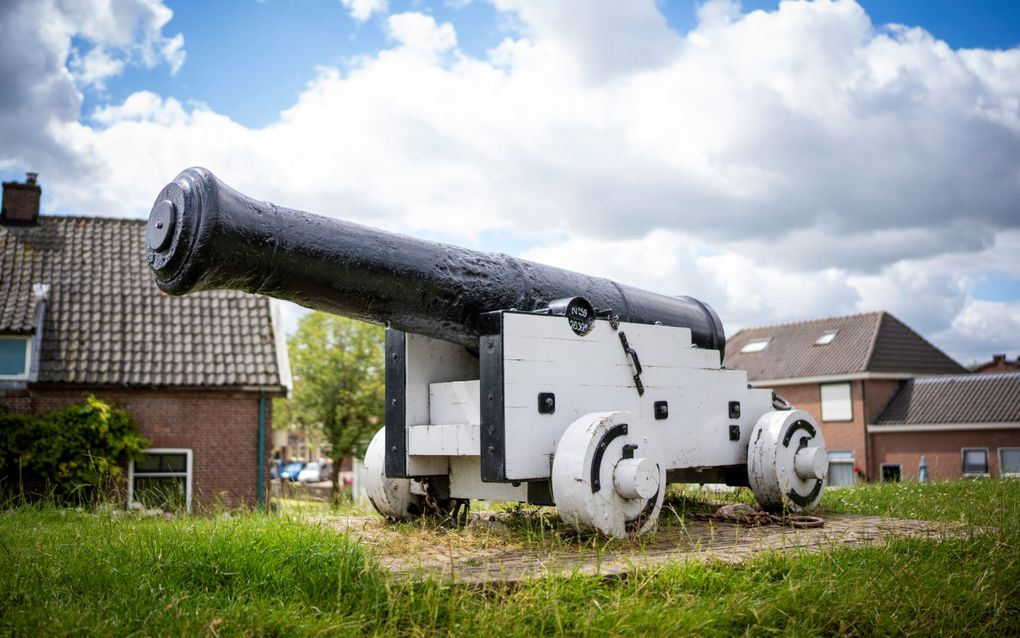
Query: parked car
[
  {"x": 291, "y": 471},
  {"x": 315, "y": 472}
]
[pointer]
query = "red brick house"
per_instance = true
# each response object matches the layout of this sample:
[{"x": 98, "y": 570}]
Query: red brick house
[
  {"x": 846, "y": 371},
  {"x": 963, "y": 425},
  {"x": 80, "y": 314},
  {"x": 999, "y": 363}
]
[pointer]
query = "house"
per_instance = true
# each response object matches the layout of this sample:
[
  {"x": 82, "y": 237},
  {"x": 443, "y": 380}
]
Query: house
[
  {"x": 999, "y": 363},
  {"x": 844, "y": 371},
  {"x": 962, "y": 425},
  {"x": 80, "y": 313}
]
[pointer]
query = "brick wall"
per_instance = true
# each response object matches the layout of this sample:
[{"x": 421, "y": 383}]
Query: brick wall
[
  {"x": 220, "y": 427},
  {"x": 942, "y": 450}
]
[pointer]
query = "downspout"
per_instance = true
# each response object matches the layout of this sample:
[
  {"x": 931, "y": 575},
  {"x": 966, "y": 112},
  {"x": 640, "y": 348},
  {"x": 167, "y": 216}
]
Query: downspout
[{"x": 262, "y": 449}]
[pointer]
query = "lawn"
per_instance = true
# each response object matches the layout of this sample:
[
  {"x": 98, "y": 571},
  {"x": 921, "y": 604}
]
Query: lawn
[{"x": 71, "y": 572}]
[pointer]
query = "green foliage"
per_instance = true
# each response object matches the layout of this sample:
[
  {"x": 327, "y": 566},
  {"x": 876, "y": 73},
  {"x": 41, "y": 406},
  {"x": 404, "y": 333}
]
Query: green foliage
[
  {"x": 72, "y": 455},
  {"x": 338, "y": 371}
]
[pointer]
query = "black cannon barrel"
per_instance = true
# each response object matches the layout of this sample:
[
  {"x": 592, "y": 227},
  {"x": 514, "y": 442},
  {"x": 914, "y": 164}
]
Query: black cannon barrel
[{"x": 204, "y": 235}]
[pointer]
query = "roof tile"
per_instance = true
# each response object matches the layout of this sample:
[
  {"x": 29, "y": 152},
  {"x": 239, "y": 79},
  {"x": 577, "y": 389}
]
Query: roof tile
[
  {"x": 972, "y": 398},
  {"x": 871, "y": 342},
  {"x": 107, "y": 322}
]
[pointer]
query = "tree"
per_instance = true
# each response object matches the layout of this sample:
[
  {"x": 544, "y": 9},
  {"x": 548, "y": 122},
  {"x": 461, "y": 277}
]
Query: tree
[{"x": 338, "y": 370}]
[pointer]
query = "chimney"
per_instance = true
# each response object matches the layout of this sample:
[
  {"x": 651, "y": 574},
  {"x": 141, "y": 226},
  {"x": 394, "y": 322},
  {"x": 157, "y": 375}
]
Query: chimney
[
  {"x": 999, "y": 358},
  {"x": 21, "y": 202}
]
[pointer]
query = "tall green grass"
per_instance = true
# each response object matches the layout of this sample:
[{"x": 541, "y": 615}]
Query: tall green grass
[
  {"x": 75, "y": 572},
  {"x": 95, "y": 574}
]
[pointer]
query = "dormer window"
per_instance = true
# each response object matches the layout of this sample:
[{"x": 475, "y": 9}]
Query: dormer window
[
  {"x": 754, "y": 345},
  {"x": 15, "y": 356},
  {"x": 826, "y": 338}
]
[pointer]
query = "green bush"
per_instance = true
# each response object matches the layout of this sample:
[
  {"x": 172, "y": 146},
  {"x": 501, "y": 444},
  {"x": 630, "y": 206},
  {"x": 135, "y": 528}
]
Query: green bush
[{"x": 72, "y": 455}]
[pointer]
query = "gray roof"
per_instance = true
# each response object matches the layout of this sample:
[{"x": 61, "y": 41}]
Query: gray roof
[
  {"x": 871, "y": 342},
  {"x": 106, "y": 322},
  {"x": 973, "y": 398}
]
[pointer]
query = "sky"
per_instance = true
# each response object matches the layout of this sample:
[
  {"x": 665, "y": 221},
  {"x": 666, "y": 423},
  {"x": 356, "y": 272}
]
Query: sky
[{"x": 781, "y": 161}]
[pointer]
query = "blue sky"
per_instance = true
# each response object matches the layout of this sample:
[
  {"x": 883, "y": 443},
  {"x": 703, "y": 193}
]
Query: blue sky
[
  {"x": 249, "y": 60},
  {"x": 779, "y": 161}
]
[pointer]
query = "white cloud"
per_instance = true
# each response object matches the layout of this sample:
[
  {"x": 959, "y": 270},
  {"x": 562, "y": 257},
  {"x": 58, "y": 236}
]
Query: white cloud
[
  {"x": 94, "y": 67},
  {"x": 143, "y": 106},
  {"x": 122, "y": 32},
  {"x": 420, "y": 33},
  {"x": 362, "y": 10},
  {"x": 50, "y": 48},
  {"x": 981, "y": 329},
  {"x": 780, "y": 165},
  {"x": 600, "y": 38}
]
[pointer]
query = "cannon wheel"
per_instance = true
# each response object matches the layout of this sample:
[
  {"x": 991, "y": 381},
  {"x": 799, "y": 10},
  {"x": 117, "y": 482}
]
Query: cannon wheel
[
  {"x": 608, "y": 474},
  {"x": 786, "y": 461},
  {"x": 392, "y": 498}
]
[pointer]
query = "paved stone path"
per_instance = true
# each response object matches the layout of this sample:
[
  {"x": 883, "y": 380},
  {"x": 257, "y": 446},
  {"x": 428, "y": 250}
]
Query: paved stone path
[{"x": 475, "y": 556}]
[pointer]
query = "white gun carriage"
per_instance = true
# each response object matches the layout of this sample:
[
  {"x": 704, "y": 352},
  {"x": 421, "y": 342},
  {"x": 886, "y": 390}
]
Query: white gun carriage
[{"x": 506, "y": 379}]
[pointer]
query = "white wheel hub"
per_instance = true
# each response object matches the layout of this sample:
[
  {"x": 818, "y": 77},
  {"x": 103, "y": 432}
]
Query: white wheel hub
[
  {"x": 608, "y": 474},
  {"x": 393, "y": 498},
  {"x": 786, "y": 461}
]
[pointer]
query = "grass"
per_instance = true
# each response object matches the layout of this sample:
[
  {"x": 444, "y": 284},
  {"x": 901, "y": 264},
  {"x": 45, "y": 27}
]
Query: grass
[
  {"x": 111, "y": 575},
  {"x": 981, "y": 502},
  {"x": 98, "y": 574}
]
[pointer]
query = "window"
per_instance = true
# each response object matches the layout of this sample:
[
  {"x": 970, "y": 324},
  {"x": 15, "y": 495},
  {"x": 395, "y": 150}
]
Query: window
[
  {"x": 836, "y": 405},
  {"x": 1009, "y": 461},
  {"x": 15, "y": 354},
  {"x": 161, "y": 479},
  {"x": 891, "y": 472},
  {"x": 841, "y": 468},
  {"x": 975, "y": 461},
  {"x": 826, "y": 338},
  {"x": 755, "y": 345}
]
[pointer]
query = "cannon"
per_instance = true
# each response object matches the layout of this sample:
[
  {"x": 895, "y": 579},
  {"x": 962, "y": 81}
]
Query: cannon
[{"x": 506, "y": 379}]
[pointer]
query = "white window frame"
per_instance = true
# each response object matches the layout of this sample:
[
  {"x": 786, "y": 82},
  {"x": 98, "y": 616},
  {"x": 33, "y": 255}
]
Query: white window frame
[
  {"x": 1001, "y": 471},
  {"x": 188, "y": 473},
  {"x": 28, "y": 357},
  {"x": 988, "y": 462},
  {"x": 851, "y": 461},
  {"x": 836, "y": 418},
  {"x": 898, "y": 466},
  {"x": 755, "y": 345}
]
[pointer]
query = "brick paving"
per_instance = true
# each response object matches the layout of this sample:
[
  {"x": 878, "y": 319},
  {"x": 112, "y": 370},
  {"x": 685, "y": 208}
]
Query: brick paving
[{"x": 460, "y": 557}]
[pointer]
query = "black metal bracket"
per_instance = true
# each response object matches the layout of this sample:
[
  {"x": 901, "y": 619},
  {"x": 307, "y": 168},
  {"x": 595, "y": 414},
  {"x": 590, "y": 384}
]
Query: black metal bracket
[
  {"x": 804, "y": 501},
  {"x": 628, "y": 450},
  {"x": 778, "y": 402},
  {"x": 734, "y": 409},
  {"x": 637, "y": 364},
  {"x": 661, "y": 409},
  {"x": 546, "y": 403},
  {"x": 612, "y": 317},
  {"x": 734, "y": 432},
  {"x": 799, "y": 425},
  {"x": 616, "y": 431}
]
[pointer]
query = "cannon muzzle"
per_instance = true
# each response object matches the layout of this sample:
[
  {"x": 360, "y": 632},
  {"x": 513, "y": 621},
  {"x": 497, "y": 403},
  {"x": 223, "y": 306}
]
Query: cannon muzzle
[{"x": 204, "y": 235}]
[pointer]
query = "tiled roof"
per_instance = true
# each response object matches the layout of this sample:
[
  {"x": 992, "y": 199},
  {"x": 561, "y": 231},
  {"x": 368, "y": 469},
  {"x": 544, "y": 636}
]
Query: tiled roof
[
  {"x": 972, "y": 398},
  {"x": 871, "y": 342},
  {"x": 106, "y": 322}
]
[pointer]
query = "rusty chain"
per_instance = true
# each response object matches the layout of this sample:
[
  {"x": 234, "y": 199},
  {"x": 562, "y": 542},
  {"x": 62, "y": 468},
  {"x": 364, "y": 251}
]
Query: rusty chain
[{"x": 764, "y": 519}]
